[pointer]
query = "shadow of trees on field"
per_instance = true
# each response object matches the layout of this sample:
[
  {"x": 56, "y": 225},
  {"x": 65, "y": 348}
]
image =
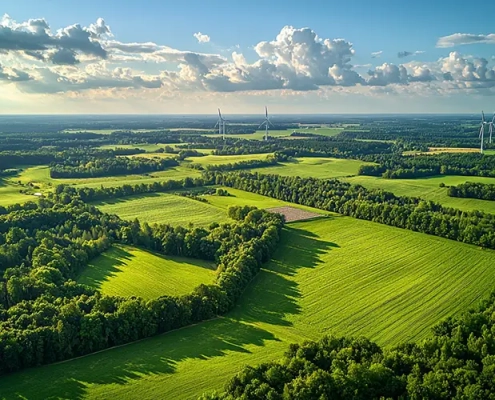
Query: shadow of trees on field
[
  {"x": 108, "y": 264},
  {"x": 158, "y": 355},
  {"x": 125, "y": 199},
  {"x": 105, "y": 266},
  {"x": 273, "y": 296}
]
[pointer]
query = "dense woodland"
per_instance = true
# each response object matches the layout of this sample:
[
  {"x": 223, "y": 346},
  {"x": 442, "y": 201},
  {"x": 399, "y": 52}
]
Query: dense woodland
[
  {"x": 46, "y": 317},
  {"x": 458, "y": 362}
]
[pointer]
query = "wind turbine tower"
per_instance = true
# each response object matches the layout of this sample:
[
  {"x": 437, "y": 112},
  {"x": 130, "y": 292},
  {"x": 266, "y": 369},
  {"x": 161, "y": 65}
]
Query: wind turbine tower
[
  {"x": 266, "y": 123},
  {"x": 482, "y": 131},
  {"x": 221, "y": 125},
  {"x": 490, "y": 127}
]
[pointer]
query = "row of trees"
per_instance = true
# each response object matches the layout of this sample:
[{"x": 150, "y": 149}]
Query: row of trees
[
  {"x": 473, "y": 190},
  {"x": 473, "y": 227},
  {"x": 97, "y": 167},
  {"x": 401, "y": 167},
  {"x": 45, "y": 316},
  {"x": 457, "y": 363}
]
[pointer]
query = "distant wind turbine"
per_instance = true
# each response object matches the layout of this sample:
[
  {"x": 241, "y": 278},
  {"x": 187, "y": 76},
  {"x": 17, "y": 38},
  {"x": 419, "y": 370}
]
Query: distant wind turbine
[
  {"x": 482, "y": 131},
  {"x": 221, "y": 123},
  {"x": 490, "y": 126},
  {"x": 266, "y": 123}
]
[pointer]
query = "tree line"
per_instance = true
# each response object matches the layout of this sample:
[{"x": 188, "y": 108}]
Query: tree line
[
  {"x": 473, "y": 190},
  {"x": 411, "y": 213},
  {"x": 45, "y": 316},
  {"x": 458, "y": 362},
  {"x": 97, "y": 167},
  {"x": 402, "y": 167}
]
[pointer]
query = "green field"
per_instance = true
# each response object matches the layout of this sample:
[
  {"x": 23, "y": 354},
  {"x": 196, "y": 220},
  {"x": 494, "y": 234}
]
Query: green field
[
  {"x": 164, "y": 208},
  {"x": 129, "y": 271},
  {"x": 428, "y": 188},
  {"x": 144, "y": 146},
  {"x": 334, "y": 275},
  {"x": 217, "y": 160},
  {"x": 315, "y": 167},
  {"x": 40, "y": 175}
]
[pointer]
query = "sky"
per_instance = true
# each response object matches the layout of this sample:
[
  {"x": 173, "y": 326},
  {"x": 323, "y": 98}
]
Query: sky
[{"x": 190, "y": 57}]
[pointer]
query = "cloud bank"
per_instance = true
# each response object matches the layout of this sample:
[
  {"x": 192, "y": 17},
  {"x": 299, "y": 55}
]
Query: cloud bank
[{"x": 78, "y": 58}]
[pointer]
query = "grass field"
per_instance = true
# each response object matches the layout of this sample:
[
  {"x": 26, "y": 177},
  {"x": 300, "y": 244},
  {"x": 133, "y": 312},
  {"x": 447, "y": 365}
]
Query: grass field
[
  {"x": 144, "y": 146},
  {"x": 40, "y": 175},
  {"x": 428, "y": 188},
  {"x": 328, "y": 276},
  {"x": 164, "y": 208},
  {"x": 315, "y": 167},
  {"x": 129, "y": 271},
  {"x": 217, "y": 160}
]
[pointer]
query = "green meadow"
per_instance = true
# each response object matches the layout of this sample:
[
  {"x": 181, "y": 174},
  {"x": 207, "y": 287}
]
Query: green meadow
[{"x": 130, "y": 271}]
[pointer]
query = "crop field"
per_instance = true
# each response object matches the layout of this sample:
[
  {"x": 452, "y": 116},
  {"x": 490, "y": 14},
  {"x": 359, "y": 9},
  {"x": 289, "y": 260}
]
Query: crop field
[
  {"x": 164, "y": 208},
  {"x": 130, "y": 271},
  {"x": 428, "y": 188},
  {"x": 315, "y": 167},
  {"x": 331, "y": 275}
]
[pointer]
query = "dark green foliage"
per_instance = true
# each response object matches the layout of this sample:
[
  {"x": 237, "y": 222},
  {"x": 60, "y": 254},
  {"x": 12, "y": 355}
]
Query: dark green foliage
[
  {"x": 407, "y": 167},
  {"x": 96, "y": 167},
  {"x": 473, "y": 190}
]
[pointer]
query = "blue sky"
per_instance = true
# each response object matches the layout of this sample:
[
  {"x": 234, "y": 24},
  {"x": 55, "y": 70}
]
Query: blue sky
[{"x": 430, "y": 78}]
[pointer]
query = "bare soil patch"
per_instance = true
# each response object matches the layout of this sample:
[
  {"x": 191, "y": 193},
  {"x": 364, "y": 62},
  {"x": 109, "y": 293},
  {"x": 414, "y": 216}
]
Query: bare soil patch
[{"x": 293, "y": 214}]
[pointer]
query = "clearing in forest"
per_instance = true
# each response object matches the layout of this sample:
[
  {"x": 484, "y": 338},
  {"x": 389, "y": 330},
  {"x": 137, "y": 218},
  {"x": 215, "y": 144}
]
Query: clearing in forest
[
  {"x": 130, "y": 271},
  {"x": 164, "y": 208},
  {"x": 292, "y": 214},
  {"x": 331, "y": 275}
]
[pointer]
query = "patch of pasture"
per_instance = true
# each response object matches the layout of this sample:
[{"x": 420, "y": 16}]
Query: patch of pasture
[
  {"x": 130, "y": 271},
  {"x": 164, "y": 208}
]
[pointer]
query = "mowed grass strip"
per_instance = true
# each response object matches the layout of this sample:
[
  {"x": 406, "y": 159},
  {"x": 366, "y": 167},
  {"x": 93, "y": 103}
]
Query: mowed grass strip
[
  {"x": 130, "y": 271},
  {"x": 429, "y": 189},
  {"x": 334, "y": 275},
  {"x": 164, "y": 208}
]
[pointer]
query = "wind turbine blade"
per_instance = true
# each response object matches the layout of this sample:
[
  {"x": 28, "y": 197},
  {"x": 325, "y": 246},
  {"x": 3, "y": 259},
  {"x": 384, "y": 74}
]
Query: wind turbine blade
[
  {"x": 266, "y": 112},
  {"x": 215, "y": 125},
  {"x": 482, "y": 116},
  {"x": 493, "y": 119},
  {"x": 263, "y": 123}
]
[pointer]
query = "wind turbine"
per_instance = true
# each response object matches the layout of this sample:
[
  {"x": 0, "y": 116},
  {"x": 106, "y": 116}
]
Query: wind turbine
[
  {"x": 482, "y": 130},
  {"x": 221, "y": 125},
  {"x": 490, "y": 126},
  {"x": 266, "y": 122}
]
